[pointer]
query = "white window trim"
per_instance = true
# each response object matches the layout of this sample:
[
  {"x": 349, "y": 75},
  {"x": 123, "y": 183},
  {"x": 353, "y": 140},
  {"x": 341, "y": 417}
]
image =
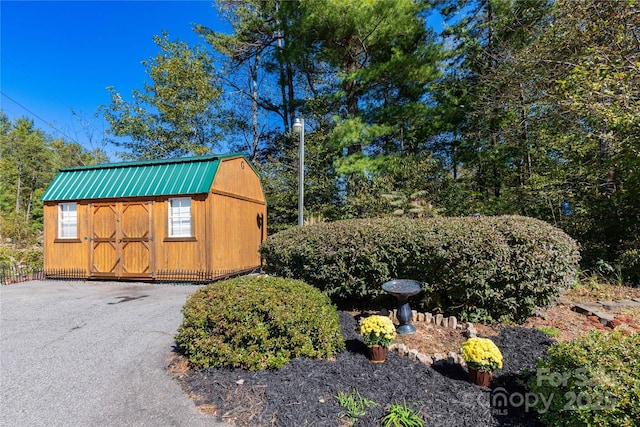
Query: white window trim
[
  {"x": 67, "y": 220},
  {"x": 183, "y": 216}
]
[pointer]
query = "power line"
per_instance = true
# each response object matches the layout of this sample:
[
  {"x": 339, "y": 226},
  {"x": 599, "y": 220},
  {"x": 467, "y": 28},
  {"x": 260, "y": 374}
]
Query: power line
[{"x": 38, "y": 117}]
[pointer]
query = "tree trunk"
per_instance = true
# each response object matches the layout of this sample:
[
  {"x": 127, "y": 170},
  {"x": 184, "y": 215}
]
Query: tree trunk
[
  {"x": 496, "y": 110},
  {"x": 454, "y": 161},
  {"x": 253, "y": 75},
  {"x": 525, "y": 136},
  {"x": 350, "y": 88},
  {"x": 609, "y": 182},
  {"x": 19, "y": 188},
  {"x": 292, "y": 98},
  {"x": 282, "y": 80},
  {"x": 27, "y": 214}
]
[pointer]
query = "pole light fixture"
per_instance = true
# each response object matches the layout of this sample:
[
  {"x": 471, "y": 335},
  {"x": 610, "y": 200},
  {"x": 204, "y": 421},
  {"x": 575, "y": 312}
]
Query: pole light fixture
[{"x": 298, "y": 128}]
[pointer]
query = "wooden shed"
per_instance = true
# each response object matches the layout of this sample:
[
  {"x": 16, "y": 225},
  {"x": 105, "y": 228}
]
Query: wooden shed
[{"x": 189, "y": 219}]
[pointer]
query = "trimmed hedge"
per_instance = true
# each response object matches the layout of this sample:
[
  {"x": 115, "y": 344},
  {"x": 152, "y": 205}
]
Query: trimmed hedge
[
  {"x": 258, "y": 322},
  {"x": 593, "y": 380},
  {"x": 490, "y": 268}
]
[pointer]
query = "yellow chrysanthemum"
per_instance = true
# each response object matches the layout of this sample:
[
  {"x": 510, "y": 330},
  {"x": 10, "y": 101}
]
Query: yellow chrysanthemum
[
  {"x": 377, "y": 330},
  {"x": 482, "y": 353}
]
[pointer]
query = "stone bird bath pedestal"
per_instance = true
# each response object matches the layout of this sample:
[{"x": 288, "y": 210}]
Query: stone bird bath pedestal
[{"x": 402, "y": 289}]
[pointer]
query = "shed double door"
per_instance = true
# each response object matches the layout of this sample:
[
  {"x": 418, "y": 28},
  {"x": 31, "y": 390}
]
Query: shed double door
[{"x": 121, "y": 240}]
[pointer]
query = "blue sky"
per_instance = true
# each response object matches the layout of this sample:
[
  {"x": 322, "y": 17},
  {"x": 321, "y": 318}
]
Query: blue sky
[{"x": 59, "y": 56}]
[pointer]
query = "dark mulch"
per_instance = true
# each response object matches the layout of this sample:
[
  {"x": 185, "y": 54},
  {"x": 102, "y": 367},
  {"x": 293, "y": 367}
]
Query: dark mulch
[{"x": 303, "y": 392}]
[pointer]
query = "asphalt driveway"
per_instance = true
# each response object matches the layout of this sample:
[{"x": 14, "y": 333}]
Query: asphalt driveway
[{"x": 91, "y": 354}]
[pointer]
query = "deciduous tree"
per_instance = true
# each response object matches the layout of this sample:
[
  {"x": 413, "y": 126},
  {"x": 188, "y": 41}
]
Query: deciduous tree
[{"x": 176, "y": 113}]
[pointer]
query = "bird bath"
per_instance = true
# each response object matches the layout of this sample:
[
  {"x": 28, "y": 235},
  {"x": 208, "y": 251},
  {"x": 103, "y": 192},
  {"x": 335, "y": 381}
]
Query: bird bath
[{"x": 402, "y": 289}]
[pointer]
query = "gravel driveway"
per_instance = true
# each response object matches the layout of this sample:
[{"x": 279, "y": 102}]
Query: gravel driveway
[{"x": 91, "y": 354}]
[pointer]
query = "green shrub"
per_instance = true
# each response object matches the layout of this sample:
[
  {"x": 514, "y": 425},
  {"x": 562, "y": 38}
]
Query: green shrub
[
  {"x": 33, "y": 259},
  {"x": 491, "y": 267},
  {"x": 258, "y": 322},
  {"x": 30, "y": 259},
  {"x": 8, "y": 256},
  {"x": 593, "y": 380},
  {"x": 630, "y": 267}
]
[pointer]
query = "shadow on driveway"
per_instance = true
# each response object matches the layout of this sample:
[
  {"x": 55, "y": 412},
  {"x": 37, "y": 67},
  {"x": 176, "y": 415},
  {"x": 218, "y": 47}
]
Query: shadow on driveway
[{"x": 91, "y": 354}]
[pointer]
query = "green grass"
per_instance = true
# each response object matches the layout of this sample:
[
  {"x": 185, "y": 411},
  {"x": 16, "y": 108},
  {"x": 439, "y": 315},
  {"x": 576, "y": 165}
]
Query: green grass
[
  {"x": 550, "y": 331},
  {"x": 402, "y": 416},
  {"x": 354, "y": 404}
]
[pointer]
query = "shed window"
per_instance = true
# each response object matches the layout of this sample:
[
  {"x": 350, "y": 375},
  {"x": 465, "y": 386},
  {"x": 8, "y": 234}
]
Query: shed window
[
  {"x": 180, "y": 217},
  {"x": 68, "y": 220}
]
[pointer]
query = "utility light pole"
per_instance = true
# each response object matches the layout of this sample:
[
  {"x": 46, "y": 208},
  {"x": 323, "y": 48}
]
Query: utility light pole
[{"x": 298, "y": 127}]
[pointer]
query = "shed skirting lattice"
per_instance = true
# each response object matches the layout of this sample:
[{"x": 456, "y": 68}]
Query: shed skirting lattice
[
  {"x": 66, "y": 273},
  {"x": 13, "y": 274},
  {"x": 201, "y": 276}
]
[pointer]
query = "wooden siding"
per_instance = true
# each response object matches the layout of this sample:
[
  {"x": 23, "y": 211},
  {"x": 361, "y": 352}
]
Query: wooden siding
[
  {"x": 236, "y": 178},
  {"x": 238, "y": 228},
  {"x": 65, "y": 254},
  {"x": 238, "y": 223},
  {"x": 182, "y": 253},
  {"x": 127, "y": 238}
]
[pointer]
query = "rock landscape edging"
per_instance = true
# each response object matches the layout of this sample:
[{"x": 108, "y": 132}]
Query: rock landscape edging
[{"x": 451, "y": 322}]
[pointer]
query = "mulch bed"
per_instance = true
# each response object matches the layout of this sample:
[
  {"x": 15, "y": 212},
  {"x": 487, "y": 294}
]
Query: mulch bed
[{"x": 303, "y": 392}]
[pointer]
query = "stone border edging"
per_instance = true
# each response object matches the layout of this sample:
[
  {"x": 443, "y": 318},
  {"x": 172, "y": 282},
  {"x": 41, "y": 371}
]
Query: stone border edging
[
  {"x": 591, "y": 310},
  {"x": 437, "y": 359}
]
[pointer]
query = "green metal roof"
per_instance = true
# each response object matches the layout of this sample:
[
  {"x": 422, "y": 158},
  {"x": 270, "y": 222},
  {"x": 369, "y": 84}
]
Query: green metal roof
[{"x": 168, "y": 177}]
